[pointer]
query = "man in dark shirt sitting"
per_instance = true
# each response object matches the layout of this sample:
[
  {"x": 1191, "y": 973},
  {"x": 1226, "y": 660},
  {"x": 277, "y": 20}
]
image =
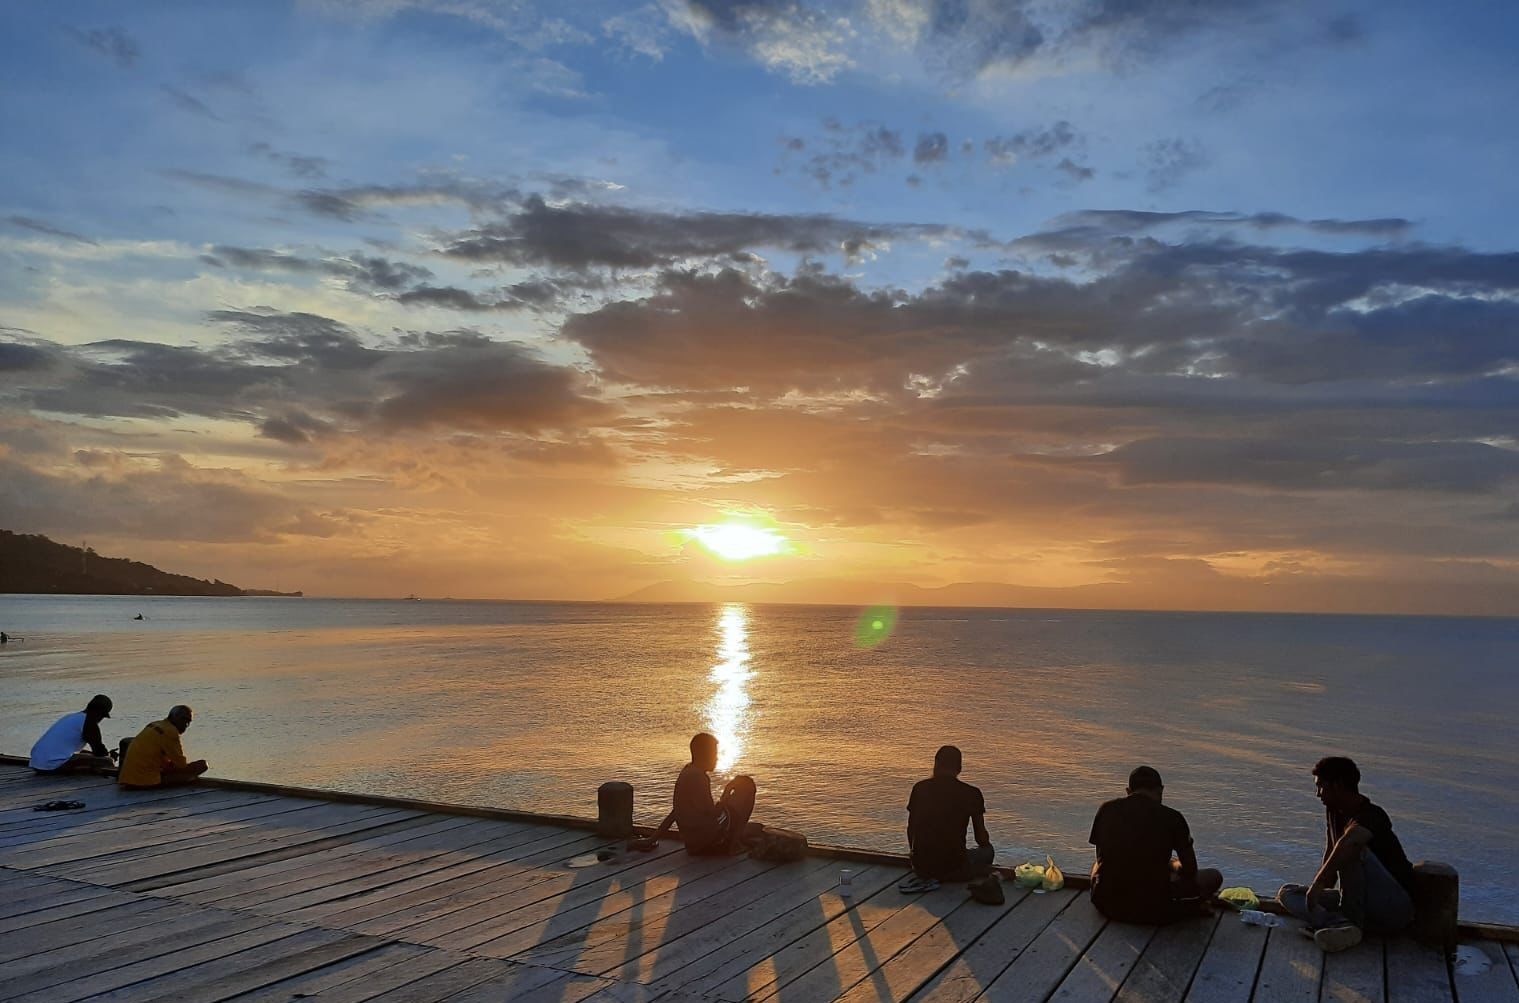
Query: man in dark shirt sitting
[
  {"x": 709, "y": 828},
  {"x": 1365, "y": 881},
  {"x": 1135, "y": 879},
  {"x": 938, "y": 813}
]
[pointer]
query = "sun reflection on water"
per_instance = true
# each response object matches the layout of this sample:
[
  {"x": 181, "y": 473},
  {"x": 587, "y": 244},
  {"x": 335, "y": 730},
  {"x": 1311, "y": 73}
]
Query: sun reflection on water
[{"x": 728, "y": 710}]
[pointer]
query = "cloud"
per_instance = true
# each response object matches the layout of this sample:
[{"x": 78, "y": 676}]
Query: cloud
[
  {"x": 39, "y": 226},
  {"x": 1032, "y": 144},
  {"x": 362, "y": 272},
  {"x": 186, "y": 101},
  {"x": 807, "y": 45},
  {"x": 932, "y": 148},
  {"x": 113, "y": 43},
  {"x": 847, "y": 152},
  {"x": 296, "y": 165},
  {"x": 1136, "y": 221},
  {"x": 1168, "y": 161}
]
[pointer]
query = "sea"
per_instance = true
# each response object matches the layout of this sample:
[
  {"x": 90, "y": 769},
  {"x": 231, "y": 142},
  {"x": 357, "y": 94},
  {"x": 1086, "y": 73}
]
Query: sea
[{"x": 834, "y": 711}]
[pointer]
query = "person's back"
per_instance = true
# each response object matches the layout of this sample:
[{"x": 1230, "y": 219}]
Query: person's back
[
  {"x": 62, "y": 747},
  {"x": 705, "y": 825},
  {"x": 1133, "y": 877},
  {"x": 156, "y": 757},
  {"x": 695, "y": 811},
  {"x": 940, "y": 811}
]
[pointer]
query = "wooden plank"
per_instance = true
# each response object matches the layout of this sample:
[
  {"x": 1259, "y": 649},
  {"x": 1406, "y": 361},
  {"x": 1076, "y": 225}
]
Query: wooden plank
[
  {"x": 739, "y": 953},
  {"x": 1165, "y": 970},
  {"x": 45, "y": 920},
  {"x": 181, "y": 973},
  {"x": 409, "y": 897},
  {"x": 221, "y": 980},
  {"x": 1292, "y": 968},
  {"x": 864, "y": 948},
  {"x": 1496, "y": 985},
  {"x": 330, "y": 977},
  {"x": 909, "y": 969},
  {"x": 523, "y": 983},
  {"x": 391, "y": 977},
  {"x": 1357, "y": 975},
  {"x": 1104, "y": 966},
  {"x": 637, "y": 909},
  {"x": 91, "y": 955},
  {"x": 448, "y": 982},
  {"x": 45, "y": 898},
  {"x": 1044, "y": 964},
  {"x": 1416, "y": 972},
  {"x": 696, "y": 930},
  {"x": 978, "y": 965},
  {"x": 16, "y": 825},
  {"x": 1228, "y": 969},
  {"x": 499, "y": 906}
]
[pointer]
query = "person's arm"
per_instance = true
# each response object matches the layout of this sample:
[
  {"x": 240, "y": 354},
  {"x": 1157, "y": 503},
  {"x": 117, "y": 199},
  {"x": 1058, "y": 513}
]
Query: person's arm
[
  {"x": 1186, "y": 856},
  {"x": 92, "y": 737},
  {"x": 664, "y": 827},
  {"x": 1352, "y": 841},
  {"x": 983, "y": 838},
  {"x": 174, "y": 750}
]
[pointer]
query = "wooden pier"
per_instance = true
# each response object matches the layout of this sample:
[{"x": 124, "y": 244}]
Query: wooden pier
[{"x": 210, "y": 893}]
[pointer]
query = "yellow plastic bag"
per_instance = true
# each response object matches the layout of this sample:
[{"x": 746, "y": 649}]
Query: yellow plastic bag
[
  {"x": 1029, "y": 875},
  {"x": 1053, "y": 878},
  {"x": 1240, "y": 898}
]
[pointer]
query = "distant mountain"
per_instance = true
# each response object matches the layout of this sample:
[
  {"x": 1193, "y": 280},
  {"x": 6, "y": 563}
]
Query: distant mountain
[{"x": 37, "y": 564}]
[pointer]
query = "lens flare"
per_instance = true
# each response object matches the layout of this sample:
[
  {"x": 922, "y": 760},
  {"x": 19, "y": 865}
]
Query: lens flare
[{"x": 875, "y": 626}]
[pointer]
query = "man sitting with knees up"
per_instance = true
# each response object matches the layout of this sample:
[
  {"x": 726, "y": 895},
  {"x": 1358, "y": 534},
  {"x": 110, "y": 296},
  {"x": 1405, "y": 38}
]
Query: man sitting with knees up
[
  {"x": 155, "y": 758},
  {"x": 708, "y": 827},
  {"x": 939, "y": 811}
]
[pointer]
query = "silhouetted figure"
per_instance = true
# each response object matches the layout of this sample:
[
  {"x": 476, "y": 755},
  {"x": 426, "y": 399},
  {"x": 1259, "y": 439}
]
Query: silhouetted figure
[
  {"x": 708, "y": 827},
  {"x": 1135, "y": 878},
  {"x": 155, "y": 758},
  {"x": 137, "y": 617},
  {"x": 938, "y": 813},
  {"x": 1365, "y": 881},
  {"x": 4, "y": 637},
  {"x": 61, "y": 749}
]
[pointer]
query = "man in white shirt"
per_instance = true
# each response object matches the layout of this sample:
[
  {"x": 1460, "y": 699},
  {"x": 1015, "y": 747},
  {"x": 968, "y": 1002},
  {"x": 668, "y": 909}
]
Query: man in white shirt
[{"x": 61, "y": 749}]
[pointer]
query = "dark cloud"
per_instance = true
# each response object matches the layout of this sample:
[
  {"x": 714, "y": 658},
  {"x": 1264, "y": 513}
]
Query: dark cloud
[
  {"x": 39, "y": 226},
  {"x": 932, "y": 148},
  {"x": 844, "y": 153},
  {"x": 580, "y": 236},
  {"x": 186, "y": 101},
  {"x": 1033, "y": 144},
  {"x": 1167, "y": 161},
  {"x": 1134, "y": 220},
  {"x": 19, "y": 358},
  {"x": 294, "y": 428},
  {"x": 113, "y": 43},
  {"x": 494, "y": 386},
  {"x": 363, "y": 272},
  {"x": 296, "y": 165},
  {"x": 1075, "y": 171}
]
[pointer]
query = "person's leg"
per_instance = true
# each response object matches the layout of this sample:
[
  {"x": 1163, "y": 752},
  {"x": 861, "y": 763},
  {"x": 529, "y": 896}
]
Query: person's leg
[
  {"x": 83, "y": 762},
  {"x": 1209, "y": 882},
  {"x": 1386, "y": 906},
  {"x": 738, "y": 800},
  {"x": 978, "y": 861},
  {"x": 1294, "y": 901},
  {"x": 188, "y": 775}
]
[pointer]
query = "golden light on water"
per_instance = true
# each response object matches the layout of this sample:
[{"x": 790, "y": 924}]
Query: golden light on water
[
  {"x": 727, "y": 712},
  {"x": 733, "y": 541}
]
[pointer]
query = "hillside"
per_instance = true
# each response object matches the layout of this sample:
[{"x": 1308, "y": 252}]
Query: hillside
[{"x": 31, "y": 563}]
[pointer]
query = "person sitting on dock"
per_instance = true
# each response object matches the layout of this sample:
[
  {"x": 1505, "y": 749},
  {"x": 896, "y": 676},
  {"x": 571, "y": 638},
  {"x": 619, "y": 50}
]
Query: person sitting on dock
[
  {"x": 62, "y": 748},
  {"x": 155, "y": 758},
  {"x": 708, "y": 827},
  {"x": 1135, "y": 878},
  {"x": 1366, "y": 880},
  {"x": 938, "y": 812}
]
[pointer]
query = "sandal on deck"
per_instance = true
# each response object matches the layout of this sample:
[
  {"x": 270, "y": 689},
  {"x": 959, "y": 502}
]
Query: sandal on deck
[{"x": 59, "y": 806}]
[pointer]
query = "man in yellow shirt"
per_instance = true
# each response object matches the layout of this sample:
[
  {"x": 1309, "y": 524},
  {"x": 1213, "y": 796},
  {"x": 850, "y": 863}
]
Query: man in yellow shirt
[{"x": 155, "y": 758}]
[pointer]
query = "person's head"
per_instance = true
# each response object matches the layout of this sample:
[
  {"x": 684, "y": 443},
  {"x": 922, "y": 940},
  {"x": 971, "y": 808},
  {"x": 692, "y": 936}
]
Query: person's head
[
  {"x": 704, "y": 751},
  {"x": 98, "y": 707},
  {"x": 1145, "y": 780},
  {"x": 947, "y": 761},
  {"x": 1338, "y": 782},
  {"x": 180, "y": 716}
]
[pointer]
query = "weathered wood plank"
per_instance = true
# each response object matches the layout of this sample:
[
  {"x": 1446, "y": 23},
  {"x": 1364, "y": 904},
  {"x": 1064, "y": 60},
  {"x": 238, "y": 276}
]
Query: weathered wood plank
[
  {"x": 1496, "y": 985},
  {"x": 47, "y": 922},
  {"x": 1104, "y": 966},
  {"x": 1165, "y": 970},
  {"x": 1292, "y": 968},
  {"x": 317, "y": 982},
  {"x": 1044, "y": 964},
  {"x": 738, "y": 953},
  {"x": 448, "y": 982},
  {"x": 969, "y": 974},
  {"x": 1357, "y": 975},
  {"x": 1416, "y": 972},
  {"x": 391, "y": 977},
  {"x": 221, "y": 981},
  {"x": 1228, "y": 969}
]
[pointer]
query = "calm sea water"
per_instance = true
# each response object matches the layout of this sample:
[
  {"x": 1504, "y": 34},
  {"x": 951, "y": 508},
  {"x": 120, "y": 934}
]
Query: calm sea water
[{"x": 534, "y": 705}]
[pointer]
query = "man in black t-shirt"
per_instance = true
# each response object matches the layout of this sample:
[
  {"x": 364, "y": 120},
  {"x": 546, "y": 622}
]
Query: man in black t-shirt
[
  {"x": 709, "y": 827},
  {"x": 1134, "y": 878},
  {"x": 1365, "y": 881},
  {"x": 938, "y": 813}
]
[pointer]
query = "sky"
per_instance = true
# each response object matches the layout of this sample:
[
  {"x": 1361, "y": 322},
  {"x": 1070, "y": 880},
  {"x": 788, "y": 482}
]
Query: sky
[{"x": 1180, "y": 303}]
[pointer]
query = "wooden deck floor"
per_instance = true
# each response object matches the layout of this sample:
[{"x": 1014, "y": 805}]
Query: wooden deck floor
[{"x": 209, "y": 894}]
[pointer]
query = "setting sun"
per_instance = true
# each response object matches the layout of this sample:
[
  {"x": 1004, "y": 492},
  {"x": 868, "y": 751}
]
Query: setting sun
[{"x": 737, "y": 542}]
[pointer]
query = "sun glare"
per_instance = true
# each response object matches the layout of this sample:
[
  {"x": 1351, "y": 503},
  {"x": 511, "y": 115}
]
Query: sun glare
[{"x": 737, "y": 542}]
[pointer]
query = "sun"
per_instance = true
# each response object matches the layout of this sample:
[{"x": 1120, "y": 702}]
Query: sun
[{"x": 737, "y": 542}]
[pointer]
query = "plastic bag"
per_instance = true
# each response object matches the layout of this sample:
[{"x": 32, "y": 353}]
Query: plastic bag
[
  {"x": 1240, "y": 898},
  {"x": 1029, "y": 875},
  {"x": 1053, "y": 879}
]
